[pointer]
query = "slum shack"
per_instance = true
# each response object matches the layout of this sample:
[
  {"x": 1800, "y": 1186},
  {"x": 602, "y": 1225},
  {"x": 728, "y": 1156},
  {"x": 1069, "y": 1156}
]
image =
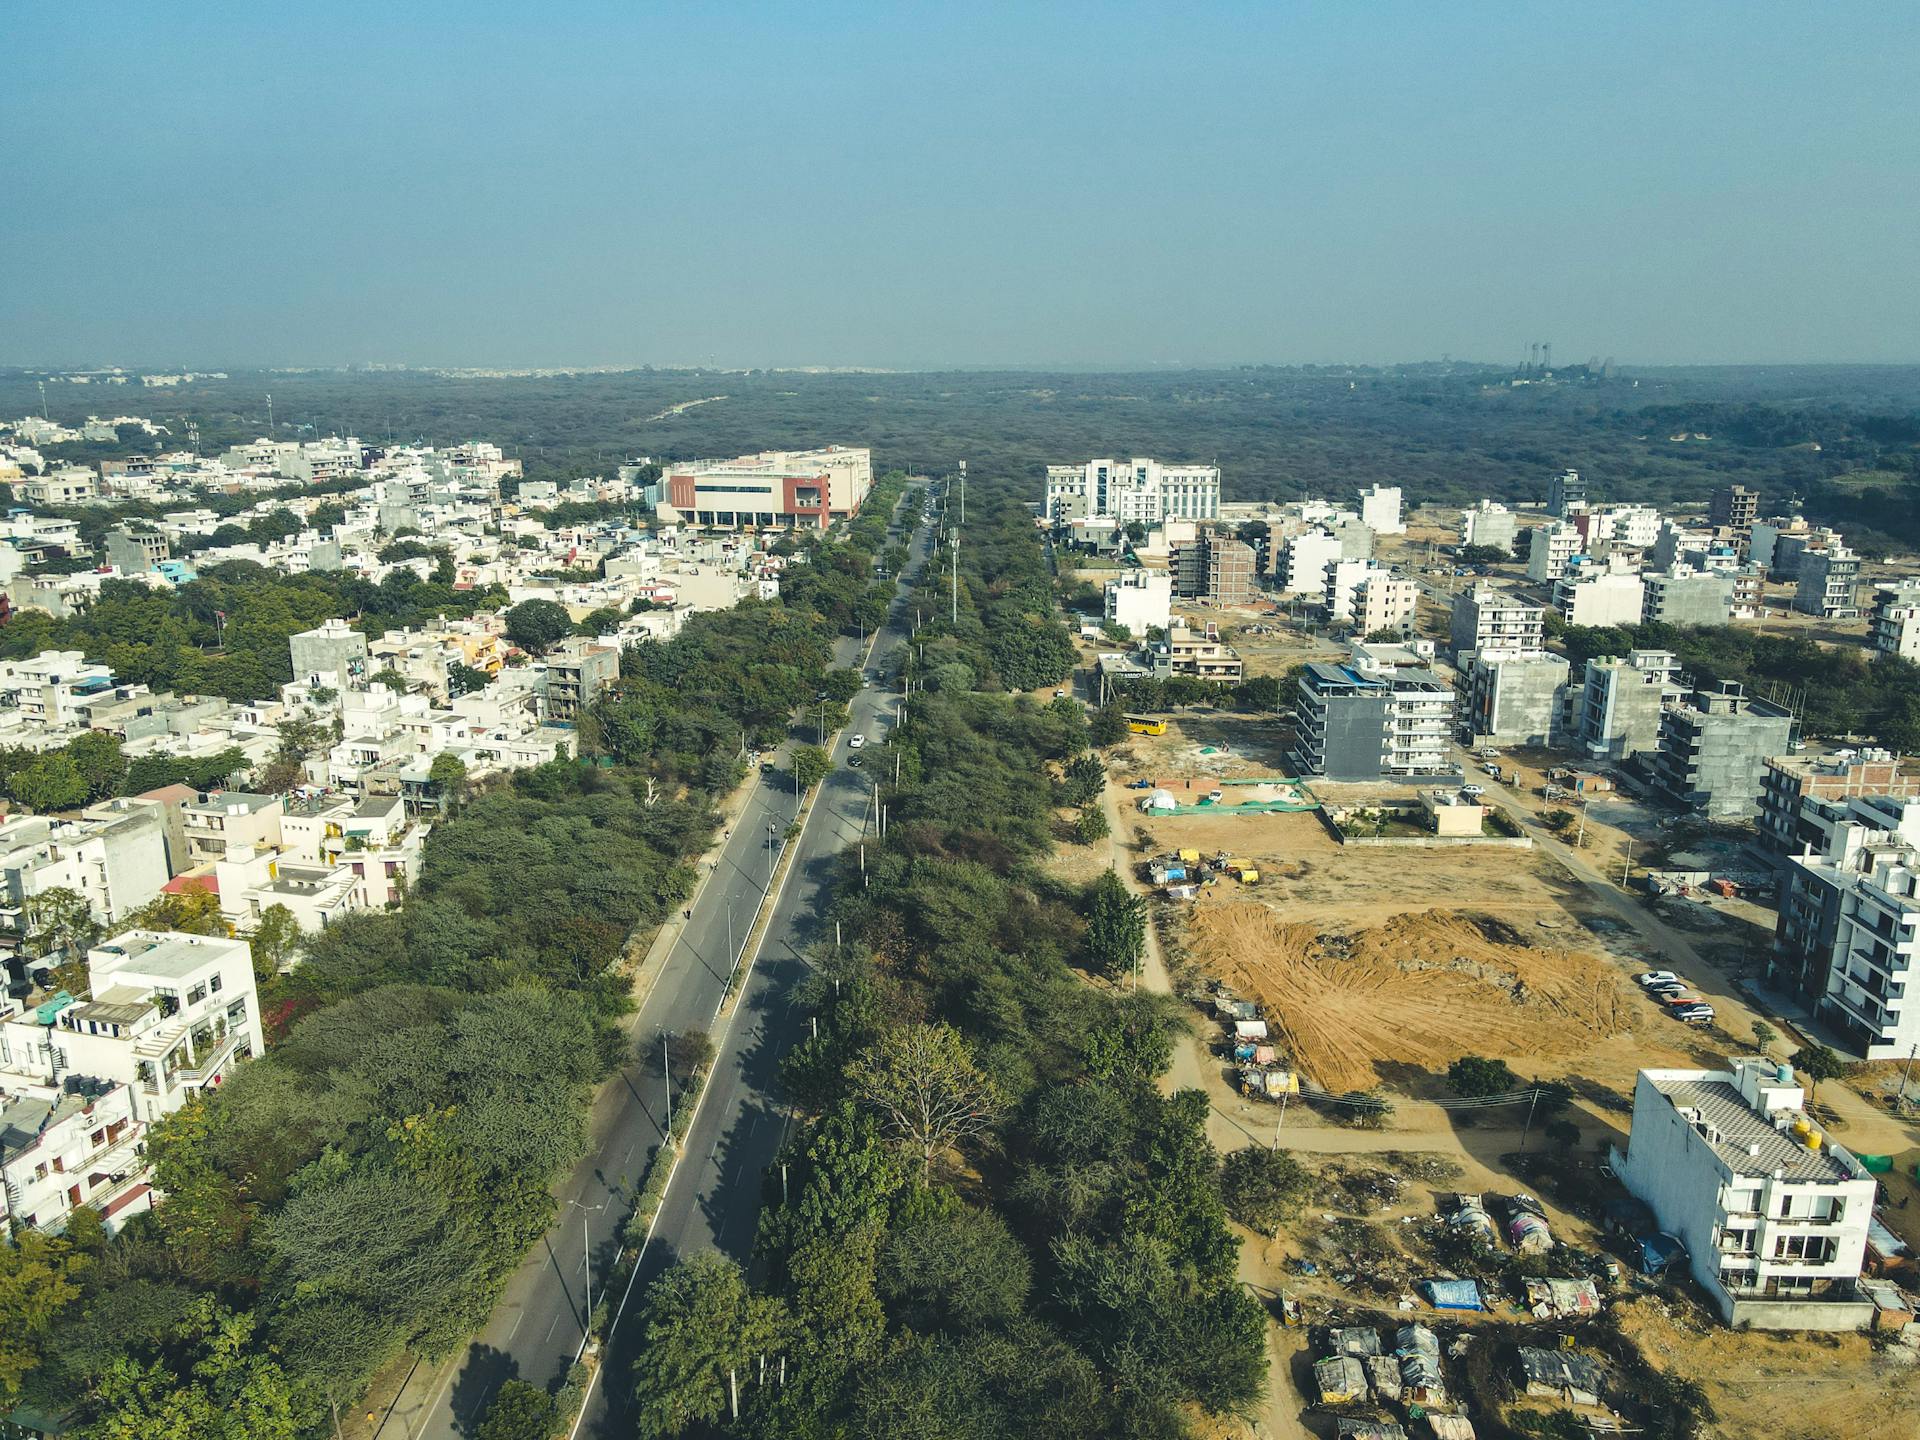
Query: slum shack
[
  {"x": 1340, "y": 1379},
  {"x": 1467, "y": 1214},
  {"x": 1449, "y": 1427},
  {"x": 1421, "y": 1381},
  {"x": 1562, "y": 1299},
  {"x": 1563, "y": 1375},
  {"x": 1358, "y": 1341},
  {"x": 1452, "y": 1294},
  {"x": 1384, "y": 1372},
  {"x": 1351, "y": 1429}
]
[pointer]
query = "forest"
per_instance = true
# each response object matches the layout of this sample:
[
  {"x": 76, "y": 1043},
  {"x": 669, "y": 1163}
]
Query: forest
[
  {"x": 1444, "y": 432},
  {"x": 995, "y": 1224}
]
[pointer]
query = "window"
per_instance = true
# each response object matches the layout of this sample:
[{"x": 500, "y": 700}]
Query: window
[
  {"x": 1813, "y": 1249},
  {"x": 197, "y": 993},
  {"x": 214, "y": 984}
]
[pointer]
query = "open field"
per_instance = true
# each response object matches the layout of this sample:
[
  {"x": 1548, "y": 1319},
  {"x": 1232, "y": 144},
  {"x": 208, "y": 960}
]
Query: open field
[{"x": 1357, "y": 1007}]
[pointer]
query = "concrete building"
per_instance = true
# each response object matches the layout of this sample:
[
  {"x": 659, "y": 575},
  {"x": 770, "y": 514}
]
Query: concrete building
[
  {"x": 1488, "y": 619},
  {"x": 1621, "y": 702},
  {"x": 1489, "y": 524},
  {"x": 1599, "y": 598},
  {"x": 1515, "y": 697},
  {"x": 332, "y": 648},
  {"x": 1763, "y": 540},
  {"x": 1713, "y": 751},
  {"x": 135, "y": 551},
  {"x": 116, "y": 860},
  {"x": 1383, "y": 601},
  {"x": 50, "y": 691},
  {"x": 1687, "y": 597},
  {"x": 579, "y": 672},
  {"x": 1140, "y": 489},
  {"x": 1828, "y": 581},
  {"x": 777, "y": 489},
  {"x": 1553, "y": 546},
  {"x": 1805, "y": 798},
  {"x": 171, "y": 1014},
  {"x": 1353, "y": 723},
  {"x": 1140, "y": 600},
  {"x": 1896, "y": 618},
  {"x": 1380, "y": 510},
  {"x": 1773, "y": 1214},
  {"x": 1848, "y": 938},
  {"x": 1733, "y": 507},
  {"x": 1214, "y": 569},
  {"x": 67, "y": 1145},
  {"x": 1202, "y": 655},
  {"x": 230, "y": 820},
  {"x": 1301, "y": 562},
  {"x": 1566, "y": 494}
]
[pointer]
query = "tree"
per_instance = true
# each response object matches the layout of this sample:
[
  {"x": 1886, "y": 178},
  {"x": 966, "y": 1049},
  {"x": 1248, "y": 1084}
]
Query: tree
[
  {"x": 537, "y": 625},
  {"x": 690, "y": 1050},
  {"x": 705, "y": 1333},
  {"x": 231, "y": 1389},
  {"x": 1085, "y": 778},
  {"x": 929, "y": 1093},
  {"x": 390, "y": 678},
  {"x": 1763, "y": 1037},
  {"x": 1475, "y": 1077},
  {"x": 59, "y": 924},
  {"x": 1817, "y": 1063},
  {"x": 948, "y": 1265},
  {"x": 53, "y": 782},
  {"x": 809, "y": 764},
  {"x": 273, "y": 942},
  {"x": 1108, "y": 726},
  {"x": 1090, "y": 825},
  {"x": 841, "y": 685},
  {"x": 463, "y": 679},
  {"x": 1563, "y": 1133},
  {"x": 1116, "y": 926},
  {"x": 520, "y": 1411},
  {"x": 448, "y": 776},
  {"x": 96, "y": 754},
  {"x": 1260, "y": 692},
  {"x": 38, "y": 1279},
  {"x": 1261, "y": 1187}
]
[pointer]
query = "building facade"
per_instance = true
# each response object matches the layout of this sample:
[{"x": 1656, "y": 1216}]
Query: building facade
[
  {"x": 1488, "y": 524},
  {"x": 1487, "y": 619},
  {"x": 1687, "y": 597},
  {"x": 1829, "y": 580},
  {"x": 1352, "y": 723},
  {"x": 1804, "y": 799},
  {"x": 774, "y": 490},
  {"x": 1140, "y": 600},
  {"x": 1896, "y": 618},
  {"x": 1621, "y": 702},
  {"x": 1125, "y": 491},
  {"x": 1713, "y": 751}
]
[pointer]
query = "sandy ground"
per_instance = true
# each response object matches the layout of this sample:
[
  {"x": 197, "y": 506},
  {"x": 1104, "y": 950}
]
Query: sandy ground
[{"x": 1357, "y": 1008}]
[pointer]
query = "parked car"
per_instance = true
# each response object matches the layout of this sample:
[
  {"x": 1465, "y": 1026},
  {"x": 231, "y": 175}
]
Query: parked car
[
  {"x": 766, "y": 767},
  {"x": 1059, "y": 694},
  {"x": 1650, "y": 978},
  {"x": 1473, "y": 792},
  {"x": 1140, "y": 785},
  {"x": 1682, "y": 1001},
  {"x": 1694, "y": 1014},
  {"x": 854, "y": 761}
]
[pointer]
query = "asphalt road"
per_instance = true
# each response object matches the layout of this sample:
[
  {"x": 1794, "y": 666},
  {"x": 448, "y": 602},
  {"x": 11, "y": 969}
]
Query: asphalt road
[{"x": 713, "y": 1202}]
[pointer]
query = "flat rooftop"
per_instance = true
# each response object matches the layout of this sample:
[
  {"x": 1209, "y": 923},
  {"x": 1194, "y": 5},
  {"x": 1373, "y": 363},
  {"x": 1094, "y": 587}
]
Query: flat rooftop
[
  {"x": 1745, "y": 1139},
  {"x": 168, "y": 956}
]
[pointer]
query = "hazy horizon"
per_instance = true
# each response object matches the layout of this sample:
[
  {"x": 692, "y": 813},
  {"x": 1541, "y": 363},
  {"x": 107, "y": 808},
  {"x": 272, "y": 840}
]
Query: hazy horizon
[{"x": 822, "y": 186}]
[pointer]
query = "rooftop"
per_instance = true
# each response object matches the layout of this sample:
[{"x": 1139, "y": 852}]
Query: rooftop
[
  {"x": 1745, "y": 1139},
  {"x": 165, "y": 954}
]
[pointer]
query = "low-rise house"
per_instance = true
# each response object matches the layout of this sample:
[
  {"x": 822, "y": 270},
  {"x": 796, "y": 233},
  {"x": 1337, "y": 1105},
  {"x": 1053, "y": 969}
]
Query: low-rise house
[
  {"x": 230, "y": 820},
  {"x": 66, "y": 1145}
]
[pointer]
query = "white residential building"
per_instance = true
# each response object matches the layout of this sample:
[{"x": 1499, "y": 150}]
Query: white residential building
[
  {"x": 1487, "y": 619},
  {"x": 66, "y": 1145},
  {"x": 1125, "y": 491},
  {"x": 1489, "y": 524},
  {"x": 1773, "y": 1214},
  {"x": 1141, "y": 600},
  {"x": 116, "y": 862},
  {"x": 1553, "y": 546},
  {"x": 1302, "y": 562},
  {"x": 1384, "y": 601},
  {"x": 50, "y": 690},
  {"x": 170, "y": 1014},
  {"x": 1380, "y": 510},
  {"x": 1608, "y": 598},
  {"x": 1896, "y": 618}
]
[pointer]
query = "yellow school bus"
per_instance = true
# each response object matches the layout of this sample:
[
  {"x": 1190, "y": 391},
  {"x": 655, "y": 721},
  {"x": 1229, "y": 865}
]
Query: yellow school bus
[{"x": 1146, "y": 725}]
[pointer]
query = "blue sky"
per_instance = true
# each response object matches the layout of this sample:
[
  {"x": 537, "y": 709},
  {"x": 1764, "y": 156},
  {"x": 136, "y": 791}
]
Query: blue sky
[{"x": 917, "y": 185}]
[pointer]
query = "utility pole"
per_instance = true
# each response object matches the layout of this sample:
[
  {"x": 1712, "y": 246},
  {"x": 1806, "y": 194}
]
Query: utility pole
[
  {"x": 666, "y": 1063},
  {"x": 1626, "y": 865},
  {"x": 1528, "y": 1128},
  {"x": 269, "y": 416},
  {"x": 956, "y": 579},
  {"x": 963, "y": 492},
  {"x": 1282, "y": 1120},
  {"x": 1900, "y": 1100}
]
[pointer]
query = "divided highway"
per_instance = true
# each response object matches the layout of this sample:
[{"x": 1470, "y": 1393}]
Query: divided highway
[{"x": 713, "y": 1202}]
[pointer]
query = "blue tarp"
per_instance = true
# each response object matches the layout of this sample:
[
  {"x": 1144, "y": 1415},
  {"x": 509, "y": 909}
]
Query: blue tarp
[
  {"x": 1659, "y": 1251},
  {"x": 1452, "y": 1294}
]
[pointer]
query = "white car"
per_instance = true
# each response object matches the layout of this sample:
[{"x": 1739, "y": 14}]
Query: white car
[
  {"x": 1650, "y": 978},
  {"x": 857, "y": 742},
  {"x": 1472, "y": 792}
]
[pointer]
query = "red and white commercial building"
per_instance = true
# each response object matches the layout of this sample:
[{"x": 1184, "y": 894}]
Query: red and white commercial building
[{"x": 775, "y": 490}]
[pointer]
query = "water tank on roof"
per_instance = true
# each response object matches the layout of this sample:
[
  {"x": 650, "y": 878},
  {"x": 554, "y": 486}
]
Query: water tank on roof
[{"x": 1783, "y": 1073}]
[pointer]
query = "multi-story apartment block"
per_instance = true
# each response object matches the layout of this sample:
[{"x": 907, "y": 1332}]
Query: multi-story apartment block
[
  {"x": 1896, "y": 618},
  {"x": 1621, "y": 701},
  {"x": 1763, "y": 543},
  {"x": 1301, "y": 562},
  {"x": 115, "y": 859},
  {"x": 1488, "y": 524},
  {"x": 1596, "y": 597},
  {"x": 1354, "y": 723},
  {"x": 578, "y": 672},
  {"x": 1733, "y": 507},
  {"x": 1140, "y": 600},
  {"x": 1566, "y": 494},
  {"x": 1383, "y": 601},
  {"x": 330, "y": 648},
  {"x": 1553, "y": 546},
  {"x": 1848, "y": 938},
  {"x": 1380, "y": 510},
  {"x": 778, "y": 489},
  {"x": 1804, "y": 798},
  {"x": 171, "y": 1014},
  {"x": 230, "y": 820},
  {"x": 1488, "y": 619},
  {"x": 1773, "y": 1214},
  {"x": 1828, "y": 581},
  {"x": 50, "y": 690},
  {"x": 1514, "y": 697},
  {"x": 66, "y": 1145},
  {"x": 1681, "y": 596},
  {"x": 1713, "y": 751},
  {"x": 1125, "y": 491},
  {"x": 1214, "y": 569},
  {"x": 68, "y": 485}
]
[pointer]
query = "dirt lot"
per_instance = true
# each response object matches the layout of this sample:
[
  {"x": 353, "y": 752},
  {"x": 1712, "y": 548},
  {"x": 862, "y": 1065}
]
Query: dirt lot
[{"x": 1356, "y": 1007}]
